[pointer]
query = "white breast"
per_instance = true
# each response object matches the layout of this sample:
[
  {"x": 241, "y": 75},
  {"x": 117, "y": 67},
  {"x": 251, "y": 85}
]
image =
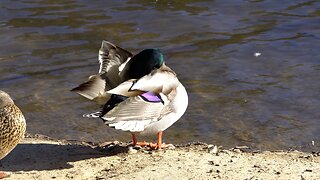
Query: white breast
[{"x": 179, "y": 105}]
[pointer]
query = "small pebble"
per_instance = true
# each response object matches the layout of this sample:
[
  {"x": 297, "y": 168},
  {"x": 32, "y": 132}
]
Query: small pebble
[
  {"x": 242, "y": 147},
  {"x": 237, "y": 150},
  {"x": 315, "y": 154},
  {"x": 100, "y": 178},
  {"x": 213, "y": 149},
  {"x": 132, "y": 151},
  {"x": 148, "y": 152},
  {"x": 170, "y": 146}
]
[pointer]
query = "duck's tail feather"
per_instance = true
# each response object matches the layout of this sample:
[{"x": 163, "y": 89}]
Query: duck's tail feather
[{"x": 92, "y": 115}]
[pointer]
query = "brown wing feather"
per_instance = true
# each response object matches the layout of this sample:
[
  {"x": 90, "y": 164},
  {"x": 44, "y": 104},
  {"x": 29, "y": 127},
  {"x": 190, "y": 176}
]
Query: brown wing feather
[
  {"x": 91, "y": 88},
  {"x": 110, "y": 58}
]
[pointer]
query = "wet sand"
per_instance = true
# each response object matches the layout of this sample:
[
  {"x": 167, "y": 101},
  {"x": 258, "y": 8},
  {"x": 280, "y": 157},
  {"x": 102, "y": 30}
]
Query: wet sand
[{"x": 40, "y": 157}]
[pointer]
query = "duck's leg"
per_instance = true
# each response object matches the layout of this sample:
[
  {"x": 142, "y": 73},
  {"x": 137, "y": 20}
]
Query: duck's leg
[
  {"x": 159, "y": 144},
  {"x": 3, "y": 175},
  {"x": 134, "y": 139},
  {"x": 136, "y": 143}
]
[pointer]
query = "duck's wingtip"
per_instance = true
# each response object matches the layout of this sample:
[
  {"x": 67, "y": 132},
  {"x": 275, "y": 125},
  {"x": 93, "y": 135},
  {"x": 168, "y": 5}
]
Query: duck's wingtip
[
  {"x": 74, "y": 89},
  {"x": 106, "y": 45},
  {"x": 92, "y": 88},
  {"x": 83, "y": 89}
]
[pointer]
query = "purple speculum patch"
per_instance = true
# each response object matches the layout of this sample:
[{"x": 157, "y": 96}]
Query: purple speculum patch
[{"x": 151, "y": 97}]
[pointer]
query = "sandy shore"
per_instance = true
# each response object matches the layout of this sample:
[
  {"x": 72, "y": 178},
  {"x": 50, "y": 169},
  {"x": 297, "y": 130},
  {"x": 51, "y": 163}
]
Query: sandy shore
[{"x": 40, "y": 157}]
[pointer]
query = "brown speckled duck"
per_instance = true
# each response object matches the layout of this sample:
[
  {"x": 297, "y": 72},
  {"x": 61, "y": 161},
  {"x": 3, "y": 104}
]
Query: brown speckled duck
[{"x": 12, "y": 126}]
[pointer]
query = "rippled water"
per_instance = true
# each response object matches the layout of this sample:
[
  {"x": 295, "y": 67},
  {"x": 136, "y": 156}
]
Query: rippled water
[{"x": 269, "y": 101}]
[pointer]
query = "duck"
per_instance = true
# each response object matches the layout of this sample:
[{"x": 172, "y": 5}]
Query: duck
[
  {"x": 139, "y": 93},
  {"x": 12, "y": 126}
]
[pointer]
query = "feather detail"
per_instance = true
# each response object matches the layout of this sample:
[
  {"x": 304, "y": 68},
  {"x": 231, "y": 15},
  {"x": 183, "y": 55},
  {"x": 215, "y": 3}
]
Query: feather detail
[
  {"x": 92, "y": 88},
  {"x": 124, "y": 89},
  {"x": 112, "y": 102},
  {"x": 151, "y": 97},
  {"x": 92, "y": 115},
  {"x": 124, "y": 69},
  {"x": 134, "y": 108},
  {"x": 111, "y": 57},
  {"x": 132, "y": 126},
  {"x": 162, "y": 80}
]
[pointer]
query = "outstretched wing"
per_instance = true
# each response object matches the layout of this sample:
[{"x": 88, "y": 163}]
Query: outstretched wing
[
  {"x": 112, "y": 72},
  {"x": 111, "y": 57}
]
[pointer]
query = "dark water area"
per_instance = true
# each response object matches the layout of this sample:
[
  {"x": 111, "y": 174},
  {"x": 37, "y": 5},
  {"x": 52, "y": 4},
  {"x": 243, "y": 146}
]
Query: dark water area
[{"x": 251, "y": 67}]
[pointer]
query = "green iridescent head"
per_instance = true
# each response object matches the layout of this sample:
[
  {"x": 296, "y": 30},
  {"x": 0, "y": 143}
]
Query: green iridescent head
[{"x": 144, "y": 62}]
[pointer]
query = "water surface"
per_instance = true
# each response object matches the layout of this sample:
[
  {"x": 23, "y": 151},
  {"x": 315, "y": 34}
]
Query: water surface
[{"x": 269, "y": 101}]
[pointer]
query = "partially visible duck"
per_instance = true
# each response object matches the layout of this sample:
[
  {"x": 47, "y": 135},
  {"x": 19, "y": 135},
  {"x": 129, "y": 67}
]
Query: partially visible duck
[{"x": 12, "y": 126}]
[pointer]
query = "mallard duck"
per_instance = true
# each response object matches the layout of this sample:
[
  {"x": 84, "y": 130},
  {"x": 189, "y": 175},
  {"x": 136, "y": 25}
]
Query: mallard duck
[
  {"x": 141, "y": 94},
  {"x": 12, "y": 126}
]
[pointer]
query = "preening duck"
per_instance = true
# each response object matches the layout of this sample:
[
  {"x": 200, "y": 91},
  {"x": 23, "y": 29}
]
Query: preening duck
[{"x": 140, "y": 93}]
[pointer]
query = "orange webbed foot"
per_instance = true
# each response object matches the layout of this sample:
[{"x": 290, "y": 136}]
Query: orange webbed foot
[
  {"x": 157, "y": 146},
  {"x": 142, "y": 144},
  {"x": 3, "y": 175},
  {"x": 153, "y": 146}
]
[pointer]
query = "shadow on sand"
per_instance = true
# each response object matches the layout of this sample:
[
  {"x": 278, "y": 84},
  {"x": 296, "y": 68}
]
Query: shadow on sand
[{"x": 28, "y": 157}]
